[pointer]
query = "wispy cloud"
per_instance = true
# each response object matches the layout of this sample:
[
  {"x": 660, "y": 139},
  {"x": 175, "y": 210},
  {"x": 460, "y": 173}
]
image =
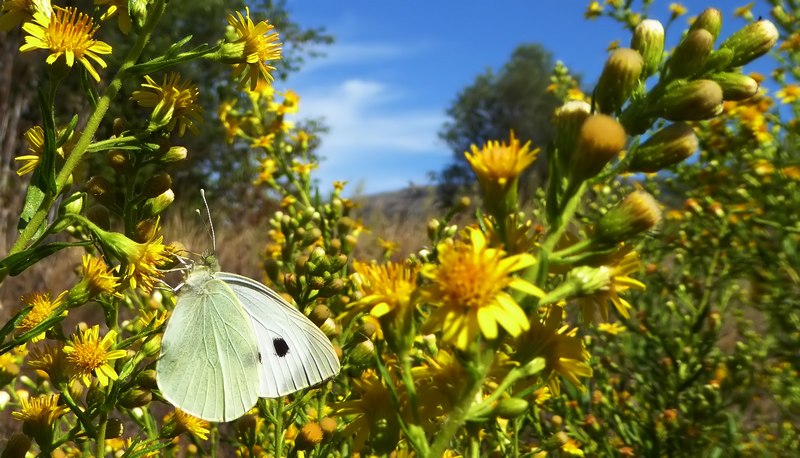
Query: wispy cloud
[
  {"x": 370, "y": 139},
  {"x": 340, "y": 54}
]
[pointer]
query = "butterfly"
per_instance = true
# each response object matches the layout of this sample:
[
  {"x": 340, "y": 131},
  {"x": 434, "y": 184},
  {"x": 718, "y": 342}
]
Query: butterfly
[{"x": 231, "y": 340}]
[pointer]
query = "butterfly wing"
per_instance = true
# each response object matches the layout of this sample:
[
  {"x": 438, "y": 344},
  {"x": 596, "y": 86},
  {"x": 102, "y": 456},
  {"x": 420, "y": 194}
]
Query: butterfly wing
[
  {"x": 295, "y": 353},
  {"x": 209, "y": 357}
]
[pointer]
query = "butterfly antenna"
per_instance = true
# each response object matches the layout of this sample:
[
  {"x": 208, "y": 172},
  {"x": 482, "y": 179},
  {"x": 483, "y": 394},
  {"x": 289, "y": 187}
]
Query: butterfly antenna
[{"x": 210, "y": 223}]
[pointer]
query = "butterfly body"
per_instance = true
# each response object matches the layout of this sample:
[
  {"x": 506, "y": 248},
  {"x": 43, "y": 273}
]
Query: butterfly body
[{"x": 231, "y": 340}]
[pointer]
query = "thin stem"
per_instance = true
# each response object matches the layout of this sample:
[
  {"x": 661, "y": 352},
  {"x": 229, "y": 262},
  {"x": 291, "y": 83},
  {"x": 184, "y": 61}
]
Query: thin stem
[
  {"x": 101, "y": 436},
  {"x": 279, "y": 427},
  {"x": 459, "y": 414},
  {"x": 85, "y": 140}
]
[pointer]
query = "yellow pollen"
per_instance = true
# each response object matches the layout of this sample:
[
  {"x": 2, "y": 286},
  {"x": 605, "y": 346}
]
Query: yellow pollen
[{"x": 70, "y": 31}]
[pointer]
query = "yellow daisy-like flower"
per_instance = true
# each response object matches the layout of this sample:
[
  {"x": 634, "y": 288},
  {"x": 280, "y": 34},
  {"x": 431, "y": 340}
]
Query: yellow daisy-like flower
[
  {"x": 260, "y": 45},
  {"x": 290, "y": 104},
  {"x": 41, "y": 410},
  {"x": 117, "y": 8},
  {"x": 676, "y": 9},
  {"x": 387, "y": 288},
  {"x": 87, "y": 354},
  {"x": 141, "y": 261},
  {"x": 48, "y": 360},
  {"x": 98, "y": 277},
  {"x": 304, "y": 169},
  {"x": 179, "y": 422},
  {"x": 373, "y": 409},
  {"x": 500, "y": 163},
  {"x": 561, "y": 348},
  {"x": 469, "y": 287},
  {"x": 42, "y": 308},
  {"x": 440, "y": 384},
  {"x": 15, "y": 12},
  {"x": 620, "y": 266},
  {"x": 173, "y": 102},
  {"x": 35, "y": 139},
  {"x": 66, "y": 32},
  {"x": 264, "y": 141},
  {"x": 789, "y": 93}
]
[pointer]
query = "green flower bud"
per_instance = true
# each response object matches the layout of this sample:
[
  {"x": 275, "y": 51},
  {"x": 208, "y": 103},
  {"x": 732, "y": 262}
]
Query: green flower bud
[
  {"x": 154, "y": 206},
  {"x": 136, "y": 397},
  {"x": 362, "y": 353},
  {"x": 118, "y": 160},
  {"x": 691, "y": 101},
  {"x": 601, "y": 138},
  {"x": 568, "y": 120},
  {"x": 511, "y": 408},
  {"x": 119, "y": 125},
  {"x": 147, "y": 379},
  {"x": 735, "y": 86},
  {"x": 586, "y": 280},
  {"x": 639, "y": 212},
  {"x": 75, "y": 204},
  {"x": 175, "y": 154},
  {"x": 114, "y": 428},
  {"x": 320, "y": 313},
  {"x": 648, "y": 40},
  {"x": 710, "y": 20},
  {"x": 157, "y": 184},
  {"x": 691, "y": 54},
  {"x": 618, "y": 80},
  {"x": 667, "y": 147},
  {"x": 751, "y": 41}
]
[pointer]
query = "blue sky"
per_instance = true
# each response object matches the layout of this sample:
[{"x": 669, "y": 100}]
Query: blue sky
[{"x": 385, "y": 84}]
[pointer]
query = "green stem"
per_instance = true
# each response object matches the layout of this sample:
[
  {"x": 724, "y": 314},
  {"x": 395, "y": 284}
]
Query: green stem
[
  {"x": 101, "y": 436},
  {"x": 475, "y": 378},
  {"x": 85, "y": 140},
  {"x": 279, "y": 427}
]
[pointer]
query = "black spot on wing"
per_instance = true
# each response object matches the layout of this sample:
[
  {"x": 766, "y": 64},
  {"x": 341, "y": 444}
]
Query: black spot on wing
[{"x": 281, "y": 347}]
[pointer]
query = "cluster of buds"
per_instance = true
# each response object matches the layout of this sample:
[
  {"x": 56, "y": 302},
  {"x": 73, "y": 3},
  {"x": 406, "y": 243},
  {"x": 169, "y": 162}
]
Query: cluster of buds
[
  {"x": 317, "y": 272},
  {"x": 695, "y": 79}
]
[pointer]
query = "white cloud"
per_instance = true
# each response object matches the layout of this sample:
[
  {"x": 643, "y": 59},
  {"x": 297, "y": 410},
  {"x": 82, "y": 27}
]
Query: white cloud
[
  {"x": 370, "y": 138},
  {"x": 339, "y": 54}
]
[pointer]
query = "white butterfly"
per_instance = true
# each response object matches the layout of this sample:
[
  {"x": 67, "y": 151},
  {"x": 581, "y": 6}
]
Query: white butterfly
[{"x": 231, "y": 340}]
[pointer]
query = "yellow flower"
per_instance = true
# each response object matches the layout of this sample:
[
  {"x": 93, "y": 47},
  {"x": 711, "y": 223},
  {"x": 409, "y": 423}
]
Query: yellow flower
[
  {"x": 614, "y": 329},
  {"x": 677, "y": 9},
  {"x": 264, "y": 141},
  {"x": 86, "y": 354},
  {"x": 153, "y": 319},
  {"x": 42, "y": 308},
  {"x": 260, "y": 45},
  {"x": 173, "y": 102},
  {"x": 35, "y": 138},
  {"x": 499, "y": 162},
  {"x": 117, "y": 8},
  {"x": 745, "y": 11},
  {"x": 69, "y": 33},
  {"x": 373, "y": 409},
  {"x": 15, "y": 12},
  {"x": 141, "y": 260},
  {"x": 42, "y": 410},
  {"x": 290, "y": 104},
  {"x": 440, "y": 384},
  {"x": 387, "y": 288},
  {"x": 179, "y": 422},
  {"x": 468, "y": 286},
  {"x": 621, "y": 265},
  {"x": 99, "y": 278},
  {"x": 569, "y": 445},
  {"x": 267, "y": 173},
  {"x": 789, "y": 93},
  {"x": 594, "y": 10},
  {"x": 542, "y": 395},
  {"x": 49, "y": 360},
  {"x": 561, "y": 348}
]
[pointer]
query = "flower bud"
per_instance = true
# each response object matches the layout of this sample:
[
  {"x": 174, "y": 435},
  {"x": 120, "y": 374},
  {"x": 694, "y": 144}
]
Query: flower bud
[
  {"x": 691, "y": 101},
  {"x": 330, "y": 328},
  {"x": 648, "y": 40},
  {"x": 310, "y": 436},
  {"x": 691, "y": 53},
  {"x": 157, "y": 184},
  {"x": 362, "y": 353},
  {"x": 156, "y": 205},
  {"x": 136, "y": 397},
  {"x": 639, "y": 212},
  {"x": 329, "y": 426},
  {"x": 586, "y": 280},
  {"x": 511, "y": 408},
  {"x": 735, "y": 86},
  {"x": 667, "y": 147},
  {"x": 175, "y": 154},
  {"x": 101, "y": 189},
  {"x": 433, "y": 228},
  {"x": 118, "y": 160},
  {"x": 75, "y": 203},
  {"x": 618, "y": 80},
  {"x": 750, "y": 42},
  {"x": 709, "y": 20},
  {"x": 119, "y": 125},
  {"x": 114, "y": 428},
  {"x": 600, "y": 139},
  {"x": 146, "y": 230},
  {"x": 568, "y": 120},
  {"x": 320, "y": 313},
  {"x": 147, "y": 379}
]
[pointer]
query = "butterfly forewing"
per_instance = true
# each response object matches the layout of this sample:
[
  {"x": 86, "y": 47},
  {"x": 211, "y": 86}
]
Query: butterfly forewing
[
  {"x": 294, "y": 352},
  {"x": 209, "y": 357}
]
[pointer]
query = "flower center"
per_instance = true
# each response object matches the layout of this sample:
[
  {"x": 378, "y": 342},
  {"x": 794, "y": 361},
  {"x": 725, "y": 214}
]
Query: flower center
[{"x": 70, "y": 30}]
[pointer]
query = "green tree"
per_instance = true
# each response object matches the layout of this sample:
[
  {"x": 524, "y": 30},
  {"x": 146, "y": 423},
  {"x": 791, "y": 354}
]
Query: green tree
[{"x": 513, "y": 98}]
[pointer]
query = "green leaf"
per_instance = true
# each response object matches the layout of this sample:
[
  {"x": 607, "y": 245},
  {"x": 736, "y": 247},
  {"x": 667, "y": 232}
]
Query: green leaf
[{"x": 17, "y": 263}]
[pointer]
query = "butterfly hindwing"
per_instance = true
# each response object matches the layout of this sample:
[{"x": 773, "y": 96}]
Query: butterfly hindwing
[
  {"x": 209, "y": 356},
  {"x": 294, "y": 352}
]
